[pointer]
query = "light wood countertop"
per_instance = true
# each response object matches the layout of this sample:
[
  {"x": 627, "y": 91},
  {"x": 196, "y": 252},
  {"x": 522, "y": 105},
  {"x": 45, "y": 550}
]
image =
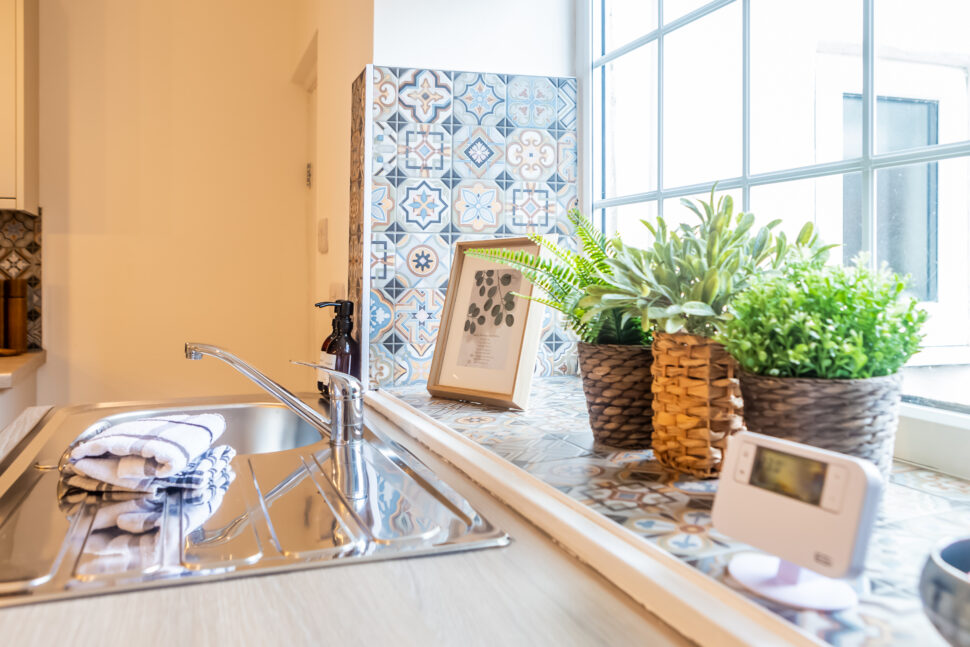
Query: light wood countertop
[{"x": 528, "y": 593}]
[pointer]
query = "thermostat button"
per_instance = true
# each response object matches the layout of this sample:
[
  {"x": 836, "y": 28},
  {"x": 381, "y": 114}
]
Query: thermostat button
[
  {"x": 742, "y": 472},
  {"x": 834, "y": 488}
]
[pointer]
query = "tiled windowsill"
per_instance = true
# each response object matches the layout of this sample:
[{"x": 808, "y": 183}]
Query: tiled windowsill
[{"x": 552, "y": 441}]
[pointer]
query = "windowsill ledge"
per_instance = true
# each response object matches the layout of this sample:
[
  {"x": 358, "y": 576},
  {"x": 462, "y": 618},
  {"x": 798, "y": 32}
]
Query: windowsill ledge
[{"x": 14, "y": 370}]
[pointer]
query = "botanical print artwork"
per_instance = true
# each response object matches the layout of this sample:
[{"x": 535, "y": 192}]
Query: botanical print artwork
[{"x": 490, "y": 319}]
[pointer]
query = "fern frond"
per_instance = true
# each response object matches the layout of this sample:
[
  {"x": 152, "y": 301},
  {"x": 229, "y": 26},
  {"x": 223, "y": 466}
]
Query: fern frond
[{"x": 594, "y": 243}]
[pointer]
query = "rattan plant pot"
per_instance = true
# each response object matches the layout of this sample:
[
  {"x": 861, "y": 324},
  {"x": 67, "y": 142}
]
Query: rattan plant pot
[
  {"x": 696, "y": 403},
  {"x": 616, "y": 380},
  {"x": 855, "y": 417}
]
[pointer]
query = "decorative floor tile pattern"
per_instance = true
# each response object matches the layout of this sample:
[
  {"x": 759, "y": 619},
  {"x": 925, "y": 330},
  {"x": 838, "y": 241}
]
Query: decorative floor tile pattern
[
  {"x": 20, "y": 249},
  {"x": 454, "y": 156},
  {"x": 552, "y": 441}
]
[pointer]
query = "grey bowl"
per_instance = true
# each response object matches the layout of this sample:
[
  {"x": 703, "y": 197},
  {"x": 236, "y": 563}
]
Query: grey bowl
[{"x": 944, "y": 587}]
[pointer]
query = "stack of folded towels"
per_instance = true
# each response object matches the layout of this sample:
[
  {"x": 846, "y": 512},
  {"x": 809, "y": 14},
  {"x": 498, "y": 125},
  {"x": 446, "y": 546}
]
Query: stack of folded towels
[{"x": 133, "y": 466}]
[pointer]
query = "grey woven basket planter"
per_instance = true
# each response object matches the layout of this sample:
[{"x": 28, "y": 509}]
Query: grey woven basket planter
[
  {"x": 855, "y": 417},
  {"x": 617, "y": 383}
]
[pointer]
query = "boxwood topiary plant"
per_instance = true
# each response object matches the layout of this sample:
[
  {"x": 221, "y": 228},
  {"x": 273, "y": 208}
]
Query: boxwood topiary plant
[{"x": 825, "y": 321}]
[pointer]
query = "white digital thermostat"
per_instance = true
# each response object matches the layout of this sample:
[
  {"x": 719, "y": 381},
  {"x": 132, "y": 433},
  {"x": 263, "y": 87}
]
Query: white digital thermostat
[{"x": 808, "y": 507}]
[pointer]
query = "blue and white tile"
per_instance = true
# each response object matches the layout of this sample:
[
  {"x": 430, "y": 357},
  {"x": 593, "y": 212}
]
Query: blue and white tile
[
  {"x": 530, "y": 208},
  {"x": 417, "y": 366},
  {"x": 423, "y": 150},
  {"x": 385, "y": 93},
  {"x": 382, "y": 205},
  {"x": 424, "y": 96},
  {"x": 567, "y": 156},
  {"x": 395, "y": 287},
  {"x": 381, "y": 314},
  {"x": 532, "y": 101},
  {"x": 566, "y": 200},
  {"x": 479, "y": 152},
  {"x": 423, "y": 259},
  {"x": 479, "y": 98},
  {"x": 478, "y": 206},
  {"x": 385, "y": 367},
  {"x": 423, "y": 205},
  {"x": 383, "y": 260},
  {"x": 384, "y": 150},
  {"x": 530, "y": 154},
  {"x": 417, "y": 316},
  {"x": 566, "y": 104}
]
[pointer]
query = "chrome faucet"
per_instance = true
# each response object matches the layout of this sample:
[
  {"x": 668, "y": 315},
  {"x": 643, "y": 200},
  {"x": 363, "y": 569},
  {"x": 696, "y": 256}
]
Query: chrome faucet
[{"x": 346, "y": 423}]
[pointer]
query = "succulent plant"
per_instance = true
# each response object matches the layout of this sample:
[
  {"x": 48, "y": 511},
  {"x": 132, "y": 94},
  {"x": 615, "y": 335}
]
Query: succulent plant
[
  {"x": 564, "y": 277},
  {"x": 685, "y": 279}
]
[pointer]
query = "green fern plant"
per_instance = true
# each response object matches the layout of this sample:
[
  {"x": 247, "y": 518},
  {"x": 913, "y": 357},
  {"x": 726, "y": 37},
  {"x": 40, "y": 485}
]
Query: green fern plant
[
  {"x": 684, "y": 281},
  {"x": 564, "y": 276}
]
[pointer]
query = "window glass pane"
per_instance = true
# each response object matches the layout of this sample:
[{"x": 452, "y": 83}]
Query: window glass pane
[
  {"x": 923, "y": 229},
  {"x": 922, "y": 56},
  {"x": 798, "y": 80},
  {"x": 625, "y": 221},
  {"x": 626, "y": 20},
  {"x": 630, "y": 112},
  {"x": 826, "y": 201},
  {"x": 674, "y": 9},
  {"x": 702, "y": 100}
]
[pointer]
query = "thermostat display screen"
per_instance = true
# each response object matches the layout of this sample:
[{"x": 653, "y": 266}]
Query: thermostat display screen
[{"x": 793, "y": 476}]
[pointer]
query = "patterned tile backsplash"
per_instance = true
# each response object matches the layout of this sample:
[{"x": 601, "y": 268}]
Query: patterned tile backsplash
[
  {"x": 450, "y": 156},
  {"x": 20, "y": 240}
]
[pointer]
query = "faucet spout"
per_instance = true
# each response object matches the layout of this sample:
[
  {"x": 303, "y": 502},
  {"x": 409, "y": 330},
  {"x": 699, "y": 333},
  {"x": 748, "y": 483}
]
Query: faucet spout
[{"x": 311, "y": 416}]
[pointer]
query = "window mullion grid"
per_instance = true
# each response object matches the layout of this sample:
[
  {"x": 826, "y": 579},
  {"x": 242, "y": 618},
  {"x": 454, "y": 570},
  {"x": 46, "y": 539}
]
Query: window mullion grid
[
  {"x": 660, "y": 107},
  {"x": 868, "y": 206},
  {"x": 745, "y": 104}
]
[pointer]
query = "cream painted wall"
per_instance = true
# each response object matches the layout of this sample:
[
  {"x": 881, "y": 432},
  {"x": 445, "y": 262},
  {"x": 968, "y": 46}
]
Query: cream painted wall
[
  {"x": 509, "y": 36},
  {"x": 344, "y": 45},
  {"x": 172, "y": 160},
  {"x": 172, "y": 163}
]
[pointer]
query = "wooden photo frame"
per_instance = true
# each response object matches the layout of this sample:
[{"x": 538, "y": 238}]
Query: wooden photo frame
[{"x": 487, "y": 355}]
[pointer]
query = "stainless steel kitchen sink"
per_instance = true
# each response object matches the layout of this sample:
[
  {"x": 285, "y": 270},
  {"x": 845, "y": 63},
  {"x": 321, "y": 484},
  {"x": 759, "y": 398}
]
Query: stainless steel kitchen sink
[{"x": 284, "y": 511}]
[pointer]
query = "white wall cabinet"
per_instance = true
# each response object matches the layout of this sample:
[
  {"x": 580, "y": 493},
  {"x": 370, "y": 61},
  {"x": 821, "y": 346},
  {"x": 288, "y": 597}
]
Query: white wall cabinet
[{"x": 18, "y": 105}]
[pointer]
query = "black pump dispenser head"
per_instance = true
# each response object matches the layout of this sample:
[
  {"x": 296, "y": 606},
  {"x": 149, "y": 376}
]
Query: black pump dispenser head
[{"x": 343, "y": 308}]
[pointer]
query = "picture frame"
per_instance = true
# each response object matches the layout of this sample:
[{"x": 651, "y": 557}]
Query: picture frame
[{"x": 488, "y": 354}]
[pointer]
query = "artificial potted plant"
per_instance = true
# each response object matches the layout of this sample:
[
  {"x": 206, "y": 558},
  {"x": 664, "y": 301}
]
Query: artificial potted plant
[
  {"x": 614, "y": 349},
  {"x": 820, "y": 348},
  {"x": 683, "y": 283}
]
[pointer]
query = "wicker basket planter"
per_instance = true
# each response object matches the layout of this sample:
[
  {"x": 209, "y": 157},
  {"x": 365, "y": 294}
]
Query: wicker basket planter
[
  {"x": 855, "y": 417},
  {"x": 616, "y": 380},
  {"x": 696, "y": 402}
]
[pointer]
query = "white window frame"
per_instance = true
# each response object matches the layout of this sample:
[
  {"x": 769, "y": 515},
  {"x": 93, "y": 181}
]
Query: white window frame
[{"x": 926, "y": 436}]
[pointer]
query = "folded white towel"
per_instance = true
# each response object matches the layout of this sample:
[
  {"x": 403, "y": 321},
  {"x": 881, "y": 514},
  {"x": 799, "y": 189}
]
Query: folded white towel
[
  {"x": 199, "y": 480},
  {"x": 132, "y": 454}
]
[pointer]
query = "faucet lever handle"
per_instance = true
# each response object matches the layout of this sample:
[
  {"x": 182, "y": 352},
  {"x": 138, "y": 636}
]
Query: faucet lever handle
[{"x": 347, "y": 385}]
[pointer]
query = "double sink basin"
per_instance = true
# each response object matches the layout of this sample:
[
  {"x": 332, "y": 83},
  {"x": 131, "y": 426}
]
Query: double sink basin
[{"x": 288, "y": 507}]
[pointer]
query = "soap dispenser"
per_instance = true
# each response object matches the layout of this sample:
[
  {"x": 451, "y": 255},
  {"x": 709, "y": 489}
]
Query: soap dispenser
[{"x": 340, "y": 351}]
